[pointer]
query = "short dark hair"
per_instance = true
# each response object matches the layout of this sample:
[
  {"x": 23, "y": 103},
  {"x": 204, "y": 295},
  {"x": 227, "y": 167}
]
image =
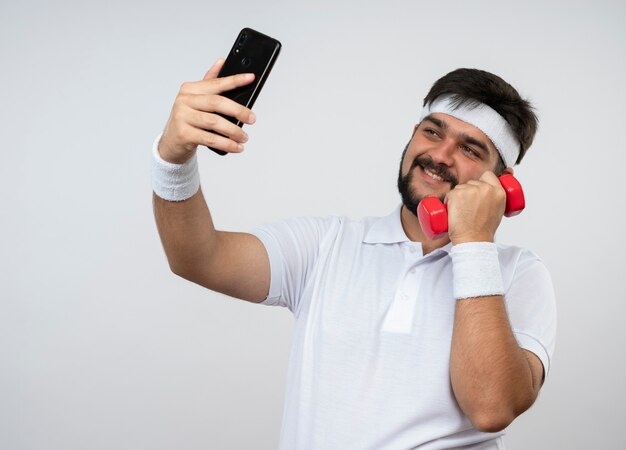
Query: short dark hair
[{"x": 469, "y": 86}]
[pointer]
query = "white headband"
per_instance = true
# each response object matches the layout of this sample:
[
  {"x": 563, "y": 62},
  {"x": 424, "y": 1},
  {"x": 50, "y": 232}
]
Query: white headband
[{"x": 485, "y": 119}]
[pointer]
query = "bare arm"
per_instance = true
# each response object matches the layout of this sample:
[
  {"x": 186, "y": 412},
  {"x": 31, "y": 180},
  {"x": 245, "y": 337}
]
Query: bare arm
[
  {"x": 235, "y": 264},
  {"x": 493, "y": 379},
  {"x": 232, "y": 263}
]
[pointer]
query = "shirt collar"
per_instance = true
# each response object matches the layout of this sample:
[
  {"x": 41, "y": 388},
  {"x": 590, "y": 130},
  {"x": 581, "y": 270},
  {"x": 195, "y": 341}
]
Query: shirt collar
[{"x": 388, "y": 230}]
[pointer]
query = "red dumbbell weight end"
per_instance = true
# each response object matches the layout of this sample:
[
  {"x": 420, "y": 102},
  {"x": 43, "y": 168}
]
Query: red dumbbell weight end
[{"x": 433, "y": 214}]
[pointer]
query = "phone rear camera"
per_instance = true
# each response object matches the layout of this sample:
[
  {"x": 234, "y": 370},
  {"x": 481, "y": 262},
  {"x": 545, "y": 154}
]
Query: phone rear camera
[
  {"x": 242, "y": 39},
  {"x": 246, "y": 62},
  {"x": 237, "y": 50}
]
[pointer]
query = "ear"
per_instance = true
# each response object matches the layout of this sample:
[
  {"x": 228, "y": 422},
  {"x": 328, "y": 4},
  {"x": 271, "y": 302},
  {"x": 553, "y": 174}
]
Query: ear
[{"x": 508, "y": 171}]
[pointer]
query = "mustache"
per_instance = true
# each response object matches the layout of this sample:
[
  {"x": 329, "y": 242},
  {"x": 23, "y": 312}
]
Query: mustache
[{"x": 426, "y": 162}]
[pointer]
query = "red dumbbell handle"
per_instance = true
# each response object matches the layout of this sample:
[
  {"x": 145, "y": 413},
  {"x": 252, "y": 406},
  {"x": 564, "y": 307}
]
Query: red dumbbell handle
[{"x": 433, "y": 214}]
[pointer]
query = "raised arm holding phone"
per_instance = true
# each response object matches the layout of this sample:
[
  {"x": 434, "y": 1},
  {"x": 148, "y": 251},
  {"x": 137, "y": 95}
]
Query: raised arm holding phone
[{"x": 400, "y": 341}]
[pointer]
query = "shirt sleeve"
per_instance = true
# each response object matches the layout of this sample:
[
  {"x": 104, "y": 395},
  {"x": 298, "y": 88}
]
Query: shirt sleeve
[
  {"x": 531, "y": 306},
  {"x": 293, "y": 248}
]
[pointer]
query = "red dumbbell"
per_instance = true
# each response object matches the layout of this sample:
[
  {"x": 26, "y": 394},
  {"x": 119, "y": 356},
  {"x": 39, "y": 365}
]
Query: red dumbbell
[{"x": 433, "y": 214}]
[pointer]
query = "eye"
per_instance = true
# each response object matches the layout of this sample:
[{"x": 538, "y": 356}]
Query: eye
[
  {"x": 470, "y": 151},
  {"x": 431, "y": 132}
]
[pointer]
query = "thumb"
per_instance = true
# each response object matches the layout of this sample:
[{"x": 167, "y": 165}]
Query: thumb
[
  {"x": 215, "y": 70},
  {"x": 490, "y": 177}
]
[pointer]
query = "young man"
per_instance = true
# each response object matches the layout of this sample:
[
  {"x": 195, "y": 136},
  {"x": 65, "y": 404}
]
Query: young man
[{"x": 399, "y": 342}]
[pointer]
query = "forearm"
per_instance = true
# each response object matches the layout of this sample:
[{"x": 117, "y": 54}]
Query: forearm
[
  {"x": 491, "y": 376},
  {"x": 187, "y": 234}
]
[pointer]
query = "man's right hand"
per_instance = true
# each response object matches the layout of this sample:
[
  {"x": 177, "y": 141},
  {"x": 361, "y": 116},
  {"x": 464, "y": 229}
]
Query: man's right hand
[{"x": 195, "y": 115}]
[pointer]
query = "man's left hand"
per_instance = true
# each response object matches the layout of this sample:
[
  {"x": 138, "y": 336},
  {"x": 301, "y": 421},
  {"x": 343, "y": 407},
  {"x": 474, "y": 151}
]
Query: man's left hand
[{"x": 475, "y": 209}]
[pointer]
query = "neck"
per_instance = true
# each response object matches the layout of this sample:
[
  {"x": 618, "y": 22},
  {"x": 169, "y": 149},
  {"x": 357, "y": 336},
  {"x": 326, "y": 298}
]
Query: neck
[{"x": 414, "y": 232}]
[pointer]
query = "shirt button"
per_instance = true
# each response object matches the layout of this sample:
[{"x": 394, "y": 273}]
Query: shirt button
[
  {"x": 405, "y": 297},
  {"x": 412, "y": 271}
]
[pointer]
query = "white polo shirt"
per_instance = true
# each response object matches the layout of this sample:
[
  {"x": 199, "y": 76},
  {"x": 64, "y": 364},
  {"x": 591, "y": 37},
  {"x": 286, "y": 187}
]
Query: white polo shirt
[{"x": 369, "y": 365}]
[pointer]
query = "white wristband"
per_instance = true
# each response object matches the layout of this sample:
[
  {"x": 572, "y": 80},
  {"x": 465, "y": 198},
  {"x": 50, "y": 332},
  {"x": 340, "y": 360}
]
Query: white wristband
[
  {"x": 174, "y": 182},
  {"x": 476, "y": 270}
]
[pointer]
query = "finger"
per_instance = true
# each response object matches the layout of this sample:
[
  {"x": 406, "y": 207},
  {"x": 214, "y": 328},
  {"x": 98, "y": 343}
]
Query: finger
[
  {"x": 214, "y": 122},
  {"x": 215, "y": 70},
  {"x": 466, "y": 185},
  {"x": 490, "y": 177},
  {"x": 216, "y": 85},
  {"x": 224, "y": 84},
  {"x": 213, "y": 140},
  {"x": 222, "y": 105}
]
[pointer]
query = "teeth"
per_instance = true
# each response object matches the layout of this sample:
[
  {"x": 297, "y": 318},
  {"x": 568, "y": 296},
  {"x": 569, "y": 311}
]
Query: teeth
[{"x": 433, "y": 176}]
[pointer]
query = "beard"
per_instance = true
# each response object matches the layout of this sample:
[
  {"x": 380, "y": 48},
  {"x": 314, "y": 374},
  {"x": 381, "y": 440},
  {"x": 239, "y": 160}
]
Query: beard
[{"x": 410, "y": 199}]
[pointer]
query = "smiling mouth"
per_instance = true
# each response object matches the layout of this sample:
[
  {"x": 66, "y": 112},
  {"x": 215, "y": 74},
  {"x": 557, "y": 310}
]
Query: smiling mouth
[
  {"x": 432, "y": 175},
  {"x": 438, "y": 173}
]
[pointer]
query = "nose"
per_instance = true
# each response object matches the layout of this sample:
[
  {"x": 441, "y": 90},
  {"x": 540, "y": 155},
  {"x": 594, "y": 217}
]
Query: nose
[{"x": 443, "y": 151}]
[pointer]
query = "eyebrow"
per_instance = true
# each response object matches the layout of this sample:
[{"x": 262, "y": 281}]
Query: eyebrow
[
  {"x": 466, "y": 137},
  {"x": 440, "y": 123}
]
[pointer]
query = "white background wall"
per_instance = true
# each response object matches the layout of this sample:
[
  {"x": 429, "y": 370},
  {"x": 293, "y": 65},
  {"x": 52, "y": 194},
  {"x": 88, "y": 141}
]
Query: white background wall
[{"x": 101, "y": 347}]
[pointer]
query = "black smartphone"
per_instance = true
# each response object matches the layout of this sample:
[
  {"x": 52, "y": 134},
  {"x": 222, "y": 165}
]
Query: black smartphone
[{"x": 252, "y": 52}]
